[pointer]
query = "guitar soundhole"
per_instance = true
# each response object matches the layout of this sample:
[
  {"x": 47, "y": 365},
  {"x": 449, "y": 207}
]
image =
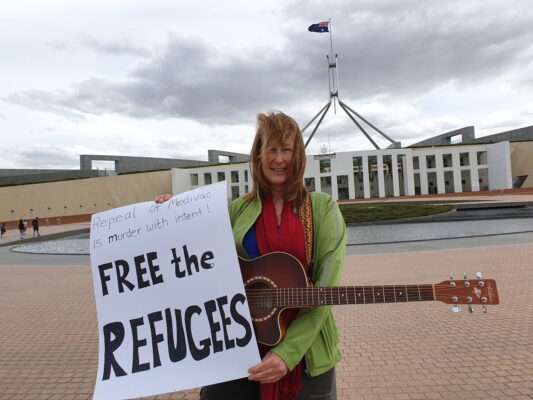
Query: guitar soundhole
[{"x": 260, "y": 298}]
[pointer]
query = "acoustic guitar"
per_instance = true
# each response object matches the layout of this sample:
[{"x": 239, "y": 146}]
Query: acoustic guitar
[{"x": 277, "y": 283}]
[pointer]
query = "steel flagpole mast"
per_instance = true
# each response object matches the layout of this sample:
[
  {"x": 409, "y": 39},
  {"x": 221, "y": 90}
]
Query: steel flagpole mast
[
  {"x": 330, "y": 39},
  {"x": 332, "y": 68}
]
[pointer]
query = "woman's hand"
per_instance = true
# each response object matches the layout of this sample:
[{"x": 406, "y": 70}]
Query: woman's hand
[
  {"x": 162, "y": 198},
  {"x": 271, "y": 369}
]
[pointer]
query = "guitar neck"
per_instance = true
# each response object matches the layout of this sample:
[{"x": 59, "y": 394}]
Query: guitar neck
[{"x": 322, "y": 296}]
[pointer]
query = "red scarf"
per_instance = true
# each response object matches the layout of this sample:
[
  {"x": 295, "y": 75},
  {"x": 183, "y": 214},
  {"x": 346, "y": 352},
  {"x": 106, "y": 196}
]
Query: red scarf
[{"x": 289, "y": 238}]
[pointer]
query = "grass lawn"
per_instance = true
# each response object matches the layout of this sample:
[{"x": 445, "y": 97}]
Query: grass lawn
[{"x": 381, "y": 212}]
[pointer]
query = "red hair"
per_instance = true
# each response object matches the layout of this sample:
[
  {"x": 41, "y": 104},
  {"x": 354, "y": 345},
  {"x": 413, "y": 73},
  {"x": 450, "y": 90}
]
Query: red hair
[{"x": 278, "y": 128}]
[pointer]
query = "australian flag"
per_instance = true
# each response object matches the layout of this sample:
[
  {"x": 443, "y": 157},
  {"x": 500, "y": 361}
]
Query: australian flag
[{"x": 320, "y": 27}]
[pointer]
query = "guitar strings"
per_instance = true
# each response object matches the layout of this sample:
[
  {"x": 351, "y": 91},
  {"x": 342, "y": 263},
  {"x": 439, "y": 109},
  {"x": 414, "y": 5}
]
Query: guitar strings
[{"x": 272, "y": 297}]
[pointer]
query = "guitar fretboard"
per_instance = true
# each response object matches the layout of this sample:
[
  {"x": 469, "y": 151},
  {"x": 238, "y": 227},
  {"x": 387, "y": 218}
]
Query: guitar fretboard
[{"x": 321, "y": 296}]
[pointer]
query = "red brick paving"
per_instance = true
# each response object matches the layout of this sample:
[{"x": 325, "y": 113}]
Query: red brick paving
[{"x": 49, "y": 347}]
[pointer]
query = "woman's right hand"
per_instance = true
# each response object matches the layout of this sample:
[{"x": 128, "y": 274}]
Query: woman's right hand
[{"x": 162, "y": 198}]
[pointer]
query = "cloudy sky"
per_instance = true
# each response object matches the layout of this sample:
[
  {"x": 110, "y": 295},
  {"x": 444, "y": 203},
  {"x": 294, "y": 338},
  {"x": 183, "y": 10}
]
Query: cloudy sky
[{"x": 171, "y": 78}]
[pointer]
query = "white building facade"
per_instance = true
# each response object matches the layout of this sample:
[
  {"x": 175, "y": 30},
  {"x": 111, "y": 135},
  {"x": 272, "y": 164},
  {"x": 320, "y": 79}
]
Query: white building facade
[{"x": 378, "y": 173}]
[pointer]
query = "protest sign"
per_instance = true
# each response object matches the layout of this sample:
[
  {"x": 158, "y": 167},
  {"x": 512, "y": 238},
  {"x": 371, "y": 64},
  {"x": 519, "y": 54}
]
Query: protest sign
[{"x": 172, "y": 311}]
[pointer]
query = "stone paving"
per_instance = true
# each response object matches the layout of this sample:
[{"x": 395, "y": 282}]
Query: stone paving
[{"x": 49, "y": 343}]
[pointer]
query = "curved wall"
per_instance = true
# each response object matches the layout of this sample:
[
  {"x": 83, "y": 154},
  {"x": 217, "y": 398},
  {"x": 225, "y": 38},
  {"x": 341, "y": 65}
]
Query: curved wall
[
  {"x": 521, "y": 162},
  {"x": 80, "y": 196}
]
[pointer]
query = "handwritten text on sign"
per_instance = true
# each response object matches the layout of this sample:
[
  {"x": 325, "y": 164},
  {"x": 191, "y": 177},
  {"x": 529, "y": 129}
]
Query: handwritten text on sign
[{"x": 172, "y": 313}]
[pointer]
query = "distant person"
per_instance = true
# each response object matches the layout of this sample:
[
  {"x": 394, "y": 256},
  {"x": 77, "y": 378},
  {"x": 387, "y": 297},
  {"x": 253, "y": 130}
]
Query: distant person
[
  {"x": 3, "y": 229},
  {"x": 35, "y": 226},
  {"x": 22, "y": 229}
]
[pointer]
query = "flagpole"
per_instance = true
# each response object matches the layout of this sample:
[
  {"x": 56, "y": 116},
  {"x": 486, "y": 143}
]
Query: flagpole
[
  {"x": 332, "y": 64},
  {"x": 330, "y": 40}
]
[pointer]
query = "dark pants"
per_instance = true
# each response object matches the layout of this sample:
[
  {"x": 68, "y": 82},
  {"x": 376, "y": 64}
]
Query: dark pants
[{"x": 319, "y": 387}]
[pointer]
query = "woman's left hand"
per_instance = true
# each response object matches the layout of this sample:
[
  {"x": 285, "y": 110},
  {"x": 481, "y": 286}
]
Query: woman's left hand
[
  {"x": 271, "y": 369},
  {"x": 162, "y": 198}
]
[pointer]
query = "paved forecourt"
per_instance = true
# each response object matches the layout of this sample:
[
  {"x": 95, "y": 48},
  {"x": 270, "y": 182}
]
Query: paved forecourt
[{"x": 391, "y": 351}]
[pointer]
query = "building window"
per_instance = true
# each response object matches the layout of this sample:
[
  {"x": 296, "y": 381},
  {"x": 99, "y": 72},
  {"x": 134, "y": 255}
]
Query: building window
[
  {"x": 325, "y": 165},
  {"x": 416, "y": 164},
  {"x": 245, "y": 175},
  {"x": 373, "y": 175},
  {"x": 234, "y": 176},
  {"x": 234, "y": 192},
  {"x": 449, "y": 185},
  {"x": 417, "y": 183},
  {"x": 342, "y": 187},
  {"x": 387, "y": 164},
  {"x": 309, "y": 184},
  {"x": 483, "y": 174},
  {"x": 464, "y": 159},
  {"x": 194, "y": 179},
  {"x": 221, "y": 176},
  {"x": 481, "y": 158},
  {"x": 447, "y": 160},
  {"x": 325, "y": 184},
  {"x": 455, "y": 139},
  {"x": 207, "y": 178},
  {"x": 357, "y": 164},
  {"x": 430, "y": 162},
  {"x": 372, "y": 167},
  {"x": 432, "y": 182},
  {"x": 466, "y": 181}
]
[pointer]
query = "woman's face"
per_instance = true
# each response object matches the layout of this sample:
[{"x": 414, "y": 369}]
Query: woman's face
[{"x": 276, "y": 162}]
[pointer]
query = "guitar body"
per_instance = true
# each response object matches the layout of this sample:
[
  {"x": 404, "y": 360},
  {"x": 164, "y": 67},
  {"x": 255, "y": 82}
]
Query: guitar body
[{"x": 272, "y": 271}]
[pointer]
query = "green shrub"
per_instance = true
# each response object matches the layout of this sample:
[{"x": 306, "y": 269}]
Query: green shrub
[{"x": 381, "y": 212}]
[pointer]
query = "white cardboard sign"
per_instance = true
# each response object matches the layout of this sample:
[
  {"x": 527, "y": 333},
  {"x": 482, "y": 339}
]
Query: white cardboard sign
[{"x": 172, "y": 311}]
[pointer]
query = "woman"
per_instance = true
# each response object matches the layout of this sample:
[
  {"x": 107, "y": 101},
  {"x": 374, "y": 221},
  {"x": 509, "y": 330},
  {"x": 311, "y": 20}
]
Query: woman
[{"x": 280, "y": 215}]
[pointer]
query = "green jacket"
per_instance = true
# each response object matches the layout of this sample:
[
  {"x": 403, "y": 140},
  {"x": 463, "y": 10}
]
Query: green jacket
[{"x": 313, "y": 333}]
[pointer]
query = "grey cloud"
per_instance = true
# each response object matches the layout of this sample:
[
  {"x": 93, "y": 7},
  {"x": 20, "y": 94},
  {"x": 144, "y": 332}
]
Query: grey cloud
[
  {"x": 400, "y": 48},
  {"x": 385, "y": 48},
  {"x": 46, "y": 101},
  {"x": 114, "y": 47},
  {"x": 51, "y": 156}
]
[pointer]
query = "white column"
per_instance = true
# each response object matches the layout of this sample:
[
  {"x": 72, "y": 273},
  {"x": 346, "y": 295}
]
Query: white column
[
  {"x": 423, "y": 174},
  {"x": 351, "y": 183},
  {"x": 334, "y": 186},
  {"x": 318, "y": 183},
  {"x": 366, "y": 178},
  {"x": 395, "y": 179},
  {"x": 408, "y": 175},
  {"x": 441, "y": 188},
  {"x": 381, "y": 177},
  {"x": 474, "y": 173},
  {"x": 456, "y": 162}
]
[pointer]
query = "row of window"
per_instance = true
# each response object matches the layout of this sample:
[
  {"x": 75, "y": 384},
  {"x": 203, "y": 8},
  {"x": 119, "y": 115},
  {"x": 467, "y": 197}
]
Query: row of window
[
  {"x": 325, "y": 165},
  {"x": 449, "y": 187},
  {"x": 221, "y": 176},
  {"x": 447, "y": 160}
]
